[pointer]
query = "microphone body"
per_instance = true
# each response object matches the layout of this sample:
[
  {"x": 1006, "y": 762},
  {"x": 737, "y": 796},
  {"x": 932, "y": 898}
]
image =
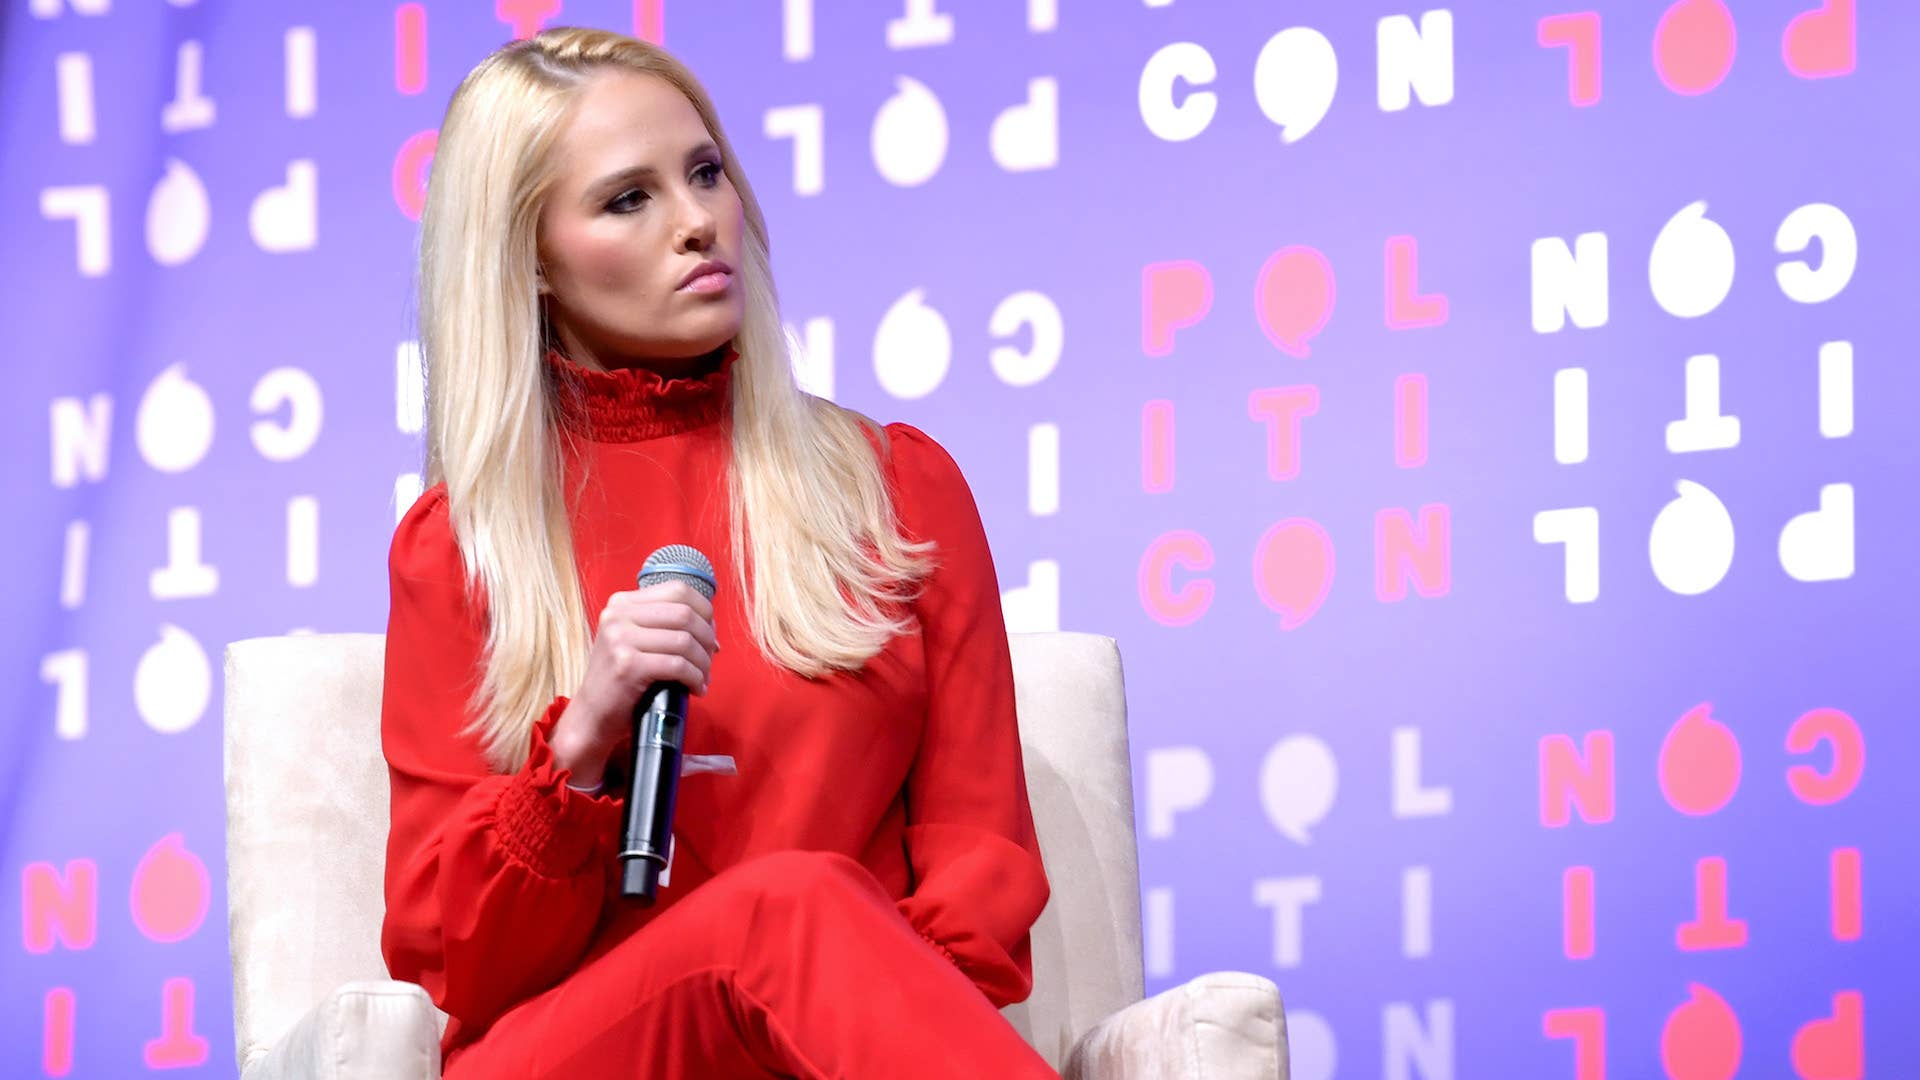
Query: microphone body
[{"x": 659, "y": 738}]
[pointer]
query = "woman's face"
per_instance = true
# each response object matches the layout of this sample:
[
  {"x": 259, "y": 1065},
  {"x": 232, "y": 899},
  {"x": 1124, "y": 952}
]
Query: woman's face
[{"x": 640, "y": 236}]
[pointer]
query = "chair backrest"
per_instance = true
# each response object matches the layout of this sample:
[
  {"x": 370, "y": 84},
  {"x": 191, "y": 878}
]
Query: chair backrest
[{"x": 306, "y": 791}]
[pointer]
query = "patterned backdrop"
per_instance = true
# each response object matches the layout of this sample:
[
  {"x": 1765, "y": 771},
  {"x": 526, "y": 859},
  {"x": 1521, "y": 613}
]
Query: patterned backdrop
[{"x": 1481, "y": 426}]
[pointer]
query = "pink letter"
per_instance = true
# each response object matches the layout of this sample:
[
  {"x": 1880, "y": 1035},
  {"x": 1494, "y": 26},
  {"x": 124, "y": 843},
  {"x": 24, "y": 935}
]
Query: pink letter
[
  {"x": 1837, "y": 729},
  {"x": 1293, "y": 569},
  {"x": 650, "y": 20},
  {"x": 1293, "y": 298},
  {"x": 1406, "y": 308},
  {"x": 1580, "y": 33},
  {"x": 1819, "y": 44},
  {"x": 1576, "y": 917},
  {"x": 1186, "y": 549},
  {"x": 1398, "y": 546},
  {"x": 51, "y": 904},
  {"x": 56, "y": 1038},
  {"x": 1567, "y": 778},
  {"x": 410, "y": 172},
  {"x": 525, "y": 16},
  {"x": 1710, "y": 928},
  {"x": 1693, "y": 46},
  {"x": 1283, "y": 408},
  {"x": 1701, "y": 1039},
  {"x": 177, "y": 1047},
  {"x": 1410, "y": 421},
  {"x": 170, "y": 891},
  {"x": 1588, "y": 1030},
  {"x": 1699, "y": 763},
  {"x": 1834, "y": 1049},
  {"x": 1843, "y": 872},
  {"x": 1173, "y": 296},
  {"x": 1156, "y": 446},
  {"x": 410, "y": 48}
]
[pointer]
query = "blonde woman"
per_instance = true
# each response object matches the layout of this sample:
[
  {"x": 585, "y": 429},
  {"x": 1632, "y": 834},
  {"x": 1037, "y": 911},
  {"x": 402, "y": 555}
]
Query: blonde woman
[{"x": 607, "y": 374}]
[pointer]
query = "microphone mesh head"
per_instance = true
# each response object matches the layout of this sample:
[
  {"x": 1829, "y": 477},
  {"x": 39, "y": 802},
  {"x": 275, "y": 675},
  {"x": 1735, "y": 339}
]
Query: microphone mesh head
[{"x": 678, "y": 562}]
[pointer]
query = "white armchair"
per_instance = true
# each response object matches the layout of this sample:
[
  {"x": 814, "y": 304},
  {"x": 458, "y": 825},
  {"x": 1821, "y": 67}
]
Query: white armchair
[{"x": 306, "y": 831}]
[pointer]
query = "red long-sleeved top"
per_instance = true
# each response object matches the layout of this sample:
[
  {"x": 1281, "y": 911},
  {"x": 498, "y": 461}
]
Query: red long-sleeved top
[{"x": 499, "y": 885}]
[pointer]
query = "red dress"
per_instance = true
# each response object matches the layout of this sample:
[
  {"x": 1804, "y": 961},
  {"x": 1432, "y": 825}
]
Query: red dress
[{"x": 854, "y": 902}]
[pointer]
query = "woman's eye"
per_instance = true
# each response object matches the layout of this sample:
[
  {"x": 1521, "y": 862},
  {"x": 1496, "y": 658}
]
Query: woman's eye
[
  {"x": 708, "y": 174},
  {"x": 627, "y": 201}
]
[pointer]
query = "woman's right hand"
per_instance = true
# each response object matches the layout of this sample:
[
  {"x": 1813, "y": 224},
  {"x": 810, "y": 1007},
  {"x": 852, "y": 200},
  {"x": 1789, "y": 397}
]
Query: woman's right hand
[{"x": 662, "y": 633}]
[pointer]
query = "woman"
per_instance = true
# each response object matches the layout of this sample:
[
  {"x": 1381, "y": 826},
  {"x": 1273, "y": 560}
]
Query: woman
[{"x": 607, "y": 374}]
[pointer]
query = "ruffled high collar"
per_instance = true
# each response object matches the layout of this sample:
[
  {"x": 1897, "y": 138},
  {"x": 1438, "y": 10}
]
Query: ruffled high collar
[{"x": 636, "y": 404}]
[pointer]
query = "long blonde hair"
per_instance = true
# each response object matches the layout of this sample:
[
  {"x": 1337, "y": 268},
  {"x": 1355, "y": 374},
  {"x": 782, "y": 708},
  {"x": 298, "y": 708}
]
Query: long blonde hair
[{"x": 818, "y": 548}]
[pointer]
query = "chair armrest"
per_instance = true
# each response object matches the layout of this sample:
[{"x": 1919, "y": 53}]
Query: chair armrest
[
  {"x": 372, "y": 1030},
  {"x": 1228, "y": 1025}
]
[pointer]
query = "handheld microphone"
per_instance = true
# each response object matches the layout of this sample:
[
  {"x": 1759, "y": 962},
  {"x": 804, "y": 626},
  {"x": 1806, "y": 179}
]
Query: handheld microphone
[{"x": 659, "y": 733}]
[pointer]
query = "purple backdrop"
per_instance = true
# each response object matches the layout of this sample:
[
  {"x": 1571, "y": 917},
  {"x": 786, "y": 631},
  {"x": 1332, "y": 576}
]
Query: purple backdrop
[{"x": 1480, "y": 426}]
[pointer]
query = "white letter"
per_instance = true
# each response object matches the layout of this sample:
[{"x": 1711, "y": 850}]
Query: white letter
[
  {"x": 1294, "y": 79},
  {"x": 50, "y": 9},
  {"x": 1286, "y": 896},
  {"x": 1569, "y": 282},
  {"x": 1410, "y": 798},
  {"x": 1178, "y": 121},
  {"x": 303, "y": 541},
  {"x": 73, "y": 74},
  {"x": 1298, "y": 781},
  {"x": 1578, "y": 528},
  {"x": 1570, "y": 416},
  {"x": 909, "y": 141},
  {"x": 1691, "y": 543},
  {"x": 73, "y": 566},
  {"x": 921, "y": 25},
  {"x": 407, "y": 488},
  {"x": 1836, "y": 389},
  {"x": 1691, "y": 268},
  {"x": 1416, "y": 59},
  {"x": 1043, "y": 16},
  {"x": 67, "y": 670},
  {"x": 1416, "y": 912},
  {"x": 1023, "y": 309},
  {"x": 1179, "y": 778},
  {"x": 1703, "y": 427},
  {"x": 301, "y": 394},
  {"x": 302, "y": 98},
  {"x": 174, "y": 428},
  {"x": 1314, "y": 1052},
  {"x": 409, "y": 388},
  {"x": 1159, "y": 932},
  {"x": 806, "y": 126},
  {"x": 1043, "y": 470},
  {"x": 178, "y": 215},
  {"x": 1839, "y": 253},
  {"x": 82, "y": 435},
  {"x": 88, "y": 207},
  {"x": 185, "y": 576},
  {"x": 1818, "y": 545},
  {"x": 287, "y": 218},
  {"x": 1026, "y": 137},
  {"x": 1034, "y": 608},
  {"x": 173, "y": 682},
  {"x": 796, "y": 29},
  {"x": 812, "y": 355},
  {"x": 1405, "y": 1042},
  {"x": 913, "y": 348},
  {"x": 189, "y": 109}
]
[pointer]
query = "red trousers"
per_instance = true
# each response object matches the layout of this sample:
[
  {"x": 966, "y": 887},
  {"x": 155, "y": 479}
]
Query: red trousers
[{"x": 792, "y": 964}]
